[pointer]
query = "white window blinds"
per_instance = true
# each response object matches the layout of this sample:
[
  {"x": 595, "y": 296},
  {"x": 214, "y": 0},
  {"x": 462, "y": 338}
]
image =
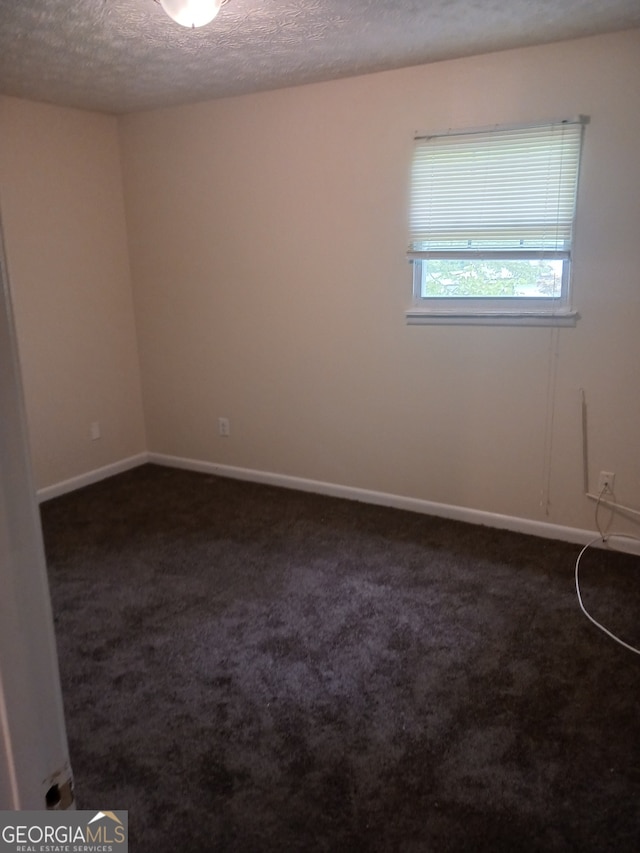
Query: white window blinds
[{"x": 507, "y": 192}]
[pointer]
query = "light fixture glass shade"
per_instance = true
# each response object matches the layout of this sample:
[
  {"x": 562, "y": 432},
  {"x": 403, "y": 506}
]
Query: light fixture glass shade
[{"x": 191, "y": 13}]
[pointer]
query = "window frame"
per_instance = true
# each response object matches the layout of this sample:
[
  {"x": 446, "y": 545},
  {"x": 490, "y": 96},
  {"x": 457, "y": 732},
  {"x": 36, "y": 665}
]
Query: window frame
[{"x": 490, "y": 310}]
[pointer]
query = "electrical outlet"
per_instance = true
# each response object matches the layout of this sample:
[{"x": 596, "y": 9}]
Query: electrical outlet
[
  {"x": 224, "y": 428},
  {"x": 94, "y": 430},
  {"x": 605, "y": 481}
]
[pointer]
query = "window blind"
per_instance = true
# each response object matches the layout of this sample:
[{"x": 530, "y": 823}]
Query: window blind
[{"x": 503, "y": 192}]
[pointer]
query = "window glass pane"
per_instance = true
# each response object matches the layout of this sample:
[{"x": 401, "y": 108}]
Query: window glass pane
[{"x": 479, "y": 278}]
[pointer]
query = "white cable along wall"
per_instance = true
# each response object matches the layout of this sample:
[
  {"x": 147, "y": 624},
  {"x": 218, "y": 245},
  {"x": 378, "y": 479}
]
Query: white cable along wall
[{"x": 607, "y": 498}]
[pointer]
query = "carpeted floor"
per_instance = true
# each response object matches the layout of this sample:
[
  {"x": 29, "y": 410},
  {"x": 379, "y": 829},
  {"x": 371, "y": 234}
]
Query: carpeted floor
[{"x": 253, "y": 669}]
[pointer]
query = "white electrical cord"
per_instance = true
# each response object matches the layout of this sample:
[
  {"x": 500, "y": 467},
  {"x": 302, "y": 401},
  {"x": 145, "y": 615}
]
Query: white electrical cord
[
  {"x": 603, "y": 537},
  {"x": 604, "y": 533}
]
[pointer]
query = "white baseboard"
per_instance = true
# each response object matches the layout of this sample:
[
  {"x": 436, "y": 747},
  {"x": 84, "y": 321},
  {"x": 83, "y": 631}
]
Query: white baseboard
[
  {"x": 542, "y": 529},
  {"x": 94, "y": 476}
]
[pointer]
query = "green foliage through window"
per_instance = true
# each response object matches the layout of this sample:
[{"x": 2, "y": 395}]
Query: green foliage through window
[{"x": 475, "y": 277}]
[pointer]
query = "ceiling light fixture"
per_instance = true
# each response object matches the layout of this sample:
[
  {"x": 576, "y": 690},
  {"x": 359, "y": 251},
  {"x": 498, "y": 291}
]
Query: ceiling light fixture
[{"x": 192, "y": 13}]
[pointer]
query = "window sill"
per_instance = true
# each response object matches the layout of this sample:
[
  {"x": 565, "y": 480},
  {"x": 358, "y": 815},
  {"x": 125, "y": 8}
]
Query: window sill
[{"x": 422, "y": 317}]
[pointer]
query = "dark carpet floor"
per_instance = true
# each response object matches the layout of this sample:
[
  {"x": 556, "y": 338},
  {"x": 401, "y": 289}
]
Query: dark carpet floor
[{"x": 254, "y": 669}]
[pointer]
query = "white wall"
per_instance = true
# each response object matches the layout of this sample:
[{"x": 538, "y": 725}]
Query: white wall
[
  {"x": 62, "y": 207},
  {"x": 267, "y": 237}
]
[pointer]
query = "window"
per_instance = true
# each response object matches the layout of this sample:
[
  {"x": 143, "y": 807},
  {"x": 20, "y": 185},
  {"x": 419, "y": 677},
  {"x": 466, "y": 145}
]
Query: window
[{"x": 491, "y": 225}]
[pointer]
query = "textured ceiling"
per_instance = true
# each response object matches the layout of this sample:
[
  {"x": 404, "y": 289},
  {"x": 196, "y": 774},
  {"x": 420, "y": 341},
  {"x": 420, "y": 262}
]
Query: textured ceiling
[{"x": 125, "y": 55}]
